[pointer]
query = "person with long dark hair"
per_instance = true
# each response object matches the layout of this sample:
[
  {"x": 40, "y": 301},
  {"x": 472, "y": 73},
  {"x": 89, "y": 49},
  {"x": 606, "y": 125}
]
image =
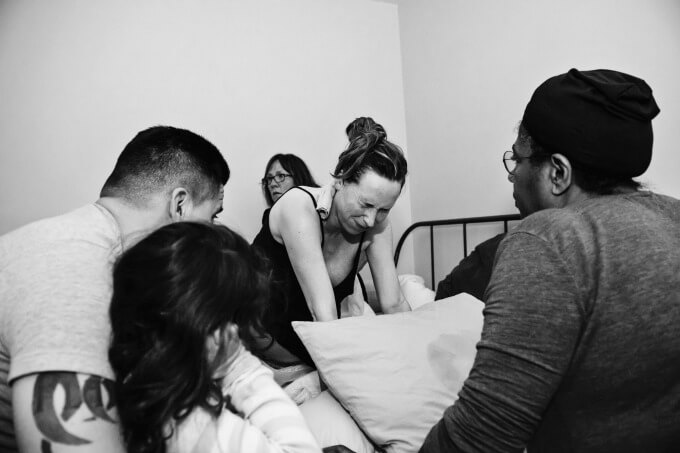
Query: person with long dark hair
[
  {"x": 186, "y": 301},
  {"x": 283, "y": 172},
  {"x": 316, "y": 256}
]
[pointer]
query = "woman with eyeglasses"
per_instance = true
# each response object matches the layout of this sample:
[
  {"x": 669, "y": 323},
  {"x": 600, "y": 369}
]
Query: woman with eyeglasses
[
  {"x": 284, "y": 171},
  {"x": 315, "y": 256}
]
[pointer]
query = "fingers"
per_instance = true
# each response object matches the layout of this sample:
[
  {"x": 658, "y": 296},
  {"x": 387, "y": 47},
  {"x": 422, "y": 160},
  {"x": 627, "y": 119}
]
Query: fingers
[
  {"x": 229, "y": 347},
  {"x": 231, "y": 333}
]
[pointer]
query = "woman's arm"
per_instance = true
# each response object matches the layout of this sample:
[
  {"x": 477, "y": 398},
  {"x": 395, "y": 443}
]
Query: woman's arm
[
  {"x": 379, "y": 254},
  {"x": 294, "y": 221},
  {"x": 273, "y": 353}
]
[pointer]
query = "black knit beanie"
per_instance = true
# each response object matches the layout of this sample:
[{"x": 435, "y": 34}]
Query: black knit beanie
[{"x": 601, "y": 119}]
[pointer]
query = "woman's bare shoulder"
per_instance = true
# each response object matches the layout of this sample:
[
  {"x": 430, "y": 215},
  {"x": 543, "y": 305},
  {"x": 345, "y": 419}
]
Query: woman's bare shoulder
[
  {"x": 296, "y": 200},
  {"x": 295, "y": 209}
]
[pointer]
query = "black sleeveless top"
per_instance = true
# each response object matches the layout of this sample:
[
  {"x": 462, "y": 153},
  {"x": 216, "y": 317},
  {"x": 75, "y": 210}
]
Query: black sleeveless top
[{"x": 287, "y": 301}]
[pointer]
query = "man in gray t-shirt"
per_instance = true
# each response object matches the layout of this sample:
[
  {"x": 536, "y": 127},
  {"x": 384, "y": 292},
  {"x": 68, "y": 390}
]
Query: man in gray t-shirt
[
  {"x": 580, "y": 345},
  {"x": 55, "y": 290}
]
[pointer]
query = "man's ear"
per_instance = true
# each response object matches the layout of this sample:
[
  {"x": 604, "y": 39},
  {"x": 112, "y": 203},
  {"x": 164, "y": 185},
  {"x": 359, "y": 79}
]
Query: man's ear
[
  {"x": 180, "y": 203},
  {"x": 561, "y": 174}
]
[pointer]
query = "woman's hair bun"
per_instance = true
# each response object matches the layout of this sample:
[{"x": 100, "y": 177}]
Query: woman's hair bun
[
  {"x": 369, "y": 149},
  {"x": 365, "y": 126}
]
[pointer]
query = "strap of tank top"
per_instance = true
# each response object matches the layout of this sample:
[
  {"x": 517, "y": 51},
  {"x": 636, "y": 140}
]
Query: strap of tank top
[
  {"x": 320, "y": 221},
  {"x": 355, "y": 267}
]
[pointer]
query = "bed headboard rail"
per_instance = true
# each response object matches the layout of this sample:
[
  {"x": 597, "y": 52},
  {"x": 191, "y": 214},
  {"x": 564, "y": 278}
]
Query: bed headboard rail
[{"x": 464, "y": 221}]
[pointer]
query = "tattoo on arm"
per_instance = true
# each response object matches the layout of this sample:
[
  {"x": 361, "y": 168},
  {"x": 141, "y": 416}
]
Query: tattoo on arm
[{"x": 45, "y": 414}]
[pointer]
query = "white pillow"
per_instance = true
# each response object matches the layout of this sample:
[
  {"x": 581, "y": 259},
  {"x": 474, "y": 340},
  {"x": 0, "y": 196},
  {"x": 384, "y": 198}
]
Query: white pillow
[
  {"x": 332, "y": 425},
  {"x": 396, "y": 374}
]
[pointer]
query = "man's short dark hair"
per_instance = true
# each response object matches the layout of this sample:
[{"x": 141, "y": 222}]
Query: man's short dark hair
[{"x": 161, "y": 157}]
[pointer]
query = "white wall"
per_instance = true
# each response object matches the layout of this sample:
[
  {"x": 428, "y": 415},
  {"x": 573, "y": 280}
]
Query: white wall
[
  {"x": 256, "y": 77},
  {"x": 78, "y": 79},
  {"x": 470, "y": 67}
]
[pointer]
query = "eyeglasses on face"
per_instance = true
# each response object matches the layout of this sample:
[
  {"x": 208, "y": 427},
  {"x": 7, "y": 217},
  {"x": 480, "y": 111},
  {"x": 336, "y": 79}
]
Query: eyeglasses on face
[
  {"x": 511, "y": 159},
  {"x": 279, "y": 178}
]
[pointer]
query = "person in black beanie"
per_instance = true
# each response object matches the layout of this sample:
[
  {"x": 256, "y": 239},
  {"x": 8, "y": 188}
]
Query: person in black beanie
[{"x": 580, "y": 345}]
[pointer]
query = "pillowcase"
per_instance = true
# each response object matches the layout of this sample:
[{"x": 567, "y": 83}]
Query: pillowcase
[
  {"x": 396, "y": 374},
  {"x": 332, "y": 425}
]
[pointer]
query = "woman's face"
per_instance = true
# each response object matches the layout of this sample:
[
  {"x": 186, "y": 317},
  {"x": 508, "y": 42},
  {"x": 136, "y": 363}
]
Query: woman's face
[
  {"x": 275, "y": 188},
  {"x": 363, "y": 204}
]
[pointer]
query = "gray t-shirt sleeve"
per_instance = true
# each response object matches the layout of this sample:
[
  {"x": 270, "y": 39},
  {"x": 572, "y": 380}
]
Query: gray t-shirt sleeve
[
  {"x": 532, "y": 322},
  {"x": 60, "y": 310}
]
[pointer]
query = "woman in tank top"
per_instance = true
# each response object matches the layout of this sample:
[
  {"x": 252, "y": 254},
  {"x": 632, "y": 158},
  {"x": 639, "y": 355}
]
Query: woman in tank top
[{"x": 315, "y": 257}]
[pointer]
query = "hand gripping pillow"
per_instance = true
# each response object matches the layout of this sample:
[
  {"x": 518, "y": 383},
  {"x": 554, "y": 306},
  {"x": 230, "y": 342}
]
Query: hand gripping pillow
[{"x": 395, "y": 374}]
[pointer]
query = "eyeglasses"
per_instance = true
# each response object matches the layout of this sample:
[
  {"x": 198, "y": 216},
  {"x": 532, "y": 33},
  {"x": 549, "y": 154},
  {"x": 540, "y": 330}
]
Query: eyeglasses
[
  {"x": 279, "y": 178},
  {"x": 511, "y": 159}
]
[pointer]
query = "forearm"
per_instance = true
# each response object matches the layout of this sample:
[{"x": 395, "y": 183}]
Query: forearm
[
  {"x": 494, "y": 412},
  {"x": 439, "y": 440},
  {"x": 271, "y": 421},
  {"x": 530, "y": 331},
  {"x": 388, "y": 289},
  {"x": 274, "y": 353},
  {"x": 323, "y": 310},
  {"x": 385, "y": 278}
]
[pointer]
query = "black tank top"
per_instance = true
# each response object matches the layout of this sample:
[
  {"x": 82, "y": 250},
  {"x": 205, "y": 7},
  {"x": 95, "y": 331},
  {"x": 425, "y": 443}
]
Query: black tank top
[{"x": 288, "y": 302}]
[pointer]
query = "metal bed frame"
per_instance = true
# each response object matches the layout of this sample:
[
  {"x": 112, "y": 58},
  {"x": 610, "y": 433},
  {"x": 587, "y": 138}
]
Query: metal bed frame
[{"x": 465, "y": 221}]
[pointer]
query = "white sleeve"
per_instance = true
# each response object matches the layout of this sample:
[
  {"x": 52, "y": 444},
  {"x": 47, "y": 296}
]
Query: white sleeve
[{"x": 267, "y": 420}]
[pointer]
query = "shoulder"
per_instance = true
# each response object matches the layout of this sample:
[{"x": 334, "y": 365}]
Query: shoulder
[
  {"x": 56, "y": 288},
  {"x": 551, "y": 224},
  {"x": 90, "y": 227},
  {"x": 296, "y": 204},
  {"x": 85, "y": 239},
  {"x": 663, "y": 204},
  {"x": 543, "y": 221},
  {"x": 578, "y": 232},
  {"x": 298, "y": 196},
  {"x": 600, "y": 214},
  {"x": 550, "y": 234}
]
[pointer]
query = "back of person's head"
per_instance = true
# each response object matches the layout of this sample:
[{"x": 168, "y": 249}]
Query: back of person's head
[
  {"x": 369, "y": 149},
  {"x": 171, "y": 292},
  {"x": 161, "y": 158},
  {"x": 601, "y": 120},
  {"x": 293, "y": 165}
]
